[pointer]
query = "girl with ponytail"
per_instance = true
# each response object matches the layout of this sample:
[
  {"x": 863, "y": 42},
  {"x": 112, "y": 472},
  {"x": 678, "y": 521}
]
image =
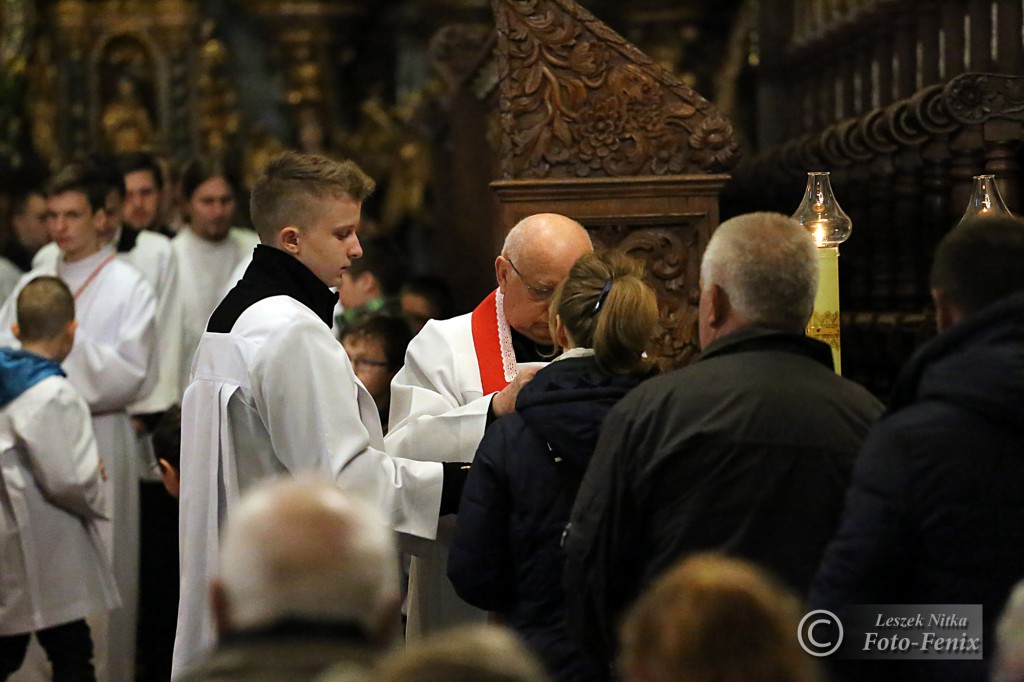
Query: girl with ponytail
[{"x": 506, "y": 556}]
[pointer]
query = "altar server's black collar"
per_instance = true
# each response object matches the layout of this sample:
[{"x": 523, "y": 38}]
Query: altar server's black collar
[{"x": 273, "y": 273}]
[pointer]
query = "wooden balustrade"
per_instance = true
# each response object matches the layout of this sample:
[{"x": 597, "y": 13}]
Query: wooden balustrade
[{"x": 903, "y": 172}]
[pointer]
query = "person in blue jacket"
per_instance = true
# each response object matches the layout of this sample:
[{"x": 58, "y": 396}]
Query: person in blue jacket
[{"x": 507, "y": 554}]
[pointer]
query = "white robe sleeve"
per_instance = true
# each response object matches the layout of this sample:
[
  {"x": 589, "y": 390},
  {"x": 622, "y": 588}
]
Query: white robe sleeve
[
  {"x": 9, "y": 310},
  {"x": 61, "y": 448},
  {"x": 438, "y": 412},
  {"x": 168, "y": 325},
  {"x": 111, "y": 375},
  {"x": 304, "y": 386}
]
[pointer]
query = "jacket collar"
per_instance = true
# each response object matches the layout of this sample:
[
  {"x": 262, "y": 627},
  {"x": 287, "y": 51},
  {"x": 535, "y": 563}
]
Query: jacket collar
[
  {"x": 274, "y": 273},
  {"x": 299, "y": 628},
  {"x": 762, "y": 339},
  {"x": 978, "y": 329}
]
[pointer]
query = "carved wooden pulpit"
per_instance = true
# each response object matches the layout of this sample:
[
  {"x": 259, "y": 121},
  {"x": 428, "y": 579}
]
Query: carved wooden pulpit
[{"x": 594, "y": 129}]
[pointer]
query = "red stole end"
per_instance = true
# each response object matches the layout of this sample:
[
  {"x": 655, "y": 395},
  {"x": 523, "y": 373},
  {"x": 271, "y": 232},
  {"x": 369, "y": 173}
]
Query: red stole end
[{"x": 487, "y": 343}]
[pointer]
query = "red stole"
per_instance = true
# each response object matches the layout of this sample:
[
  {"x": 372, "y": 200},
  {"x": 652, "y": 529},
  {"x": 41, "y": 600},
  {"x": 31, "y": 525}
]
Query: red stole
[{"x": 487, "y": 344}]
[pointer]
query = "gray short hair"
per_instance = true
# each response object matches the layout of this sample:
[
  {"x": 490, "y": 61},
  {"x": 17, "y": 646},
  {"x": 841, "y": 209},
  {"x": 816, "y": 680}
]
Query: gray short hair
[
  {"x": 767, "y": 264},
  {"x": 303, "y": 548}
]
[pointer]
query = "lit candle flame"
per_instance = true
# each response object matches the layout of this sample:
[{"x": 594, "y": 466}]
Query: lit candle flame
[{"x": 818, "y": 232}]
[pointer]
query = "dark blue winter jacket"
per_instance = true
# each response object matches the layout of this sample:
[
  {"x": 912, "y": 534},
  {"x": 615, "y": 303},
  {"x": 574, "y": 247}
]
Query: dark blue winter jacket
[
  {"x": 935, "y": 514},
  {"x": 506, "y": 556}
]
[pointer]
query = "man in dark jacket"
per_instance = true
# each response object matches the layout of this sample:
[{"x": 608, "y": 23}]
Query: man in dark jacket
[
  {"x": 748, "y": 451},
  {"x": 935, "y": 514}
]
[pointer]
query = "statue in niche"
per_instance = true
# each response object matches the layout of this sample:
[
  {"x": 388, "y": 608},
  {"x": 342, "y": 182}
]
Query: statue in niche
[
  {"x": 127, "y": 124},
  {"x": 127, "y": 114}
]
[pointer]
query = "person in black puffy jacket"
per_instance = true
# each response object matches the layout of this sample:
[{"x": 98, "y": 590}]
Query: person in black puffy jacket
[
  {"x": 507, "y": 554},
  {"x": 935, "y": 513}
]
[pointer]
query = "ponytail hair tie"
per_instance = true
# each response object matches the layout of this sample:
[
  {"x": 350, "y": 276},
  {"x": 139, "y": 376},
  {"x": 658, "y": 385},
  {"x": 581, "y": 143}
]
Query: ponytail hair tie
[{"x": 604, "y": 294}]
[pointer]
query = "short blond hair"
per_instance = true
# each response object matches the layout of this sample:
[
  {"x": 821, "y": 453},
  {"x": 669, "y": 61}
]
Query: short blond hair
[
  {"x": 713, "y": 617},
  {"x": 293, "y": 184},
  {"x": 44, "y": 308}
]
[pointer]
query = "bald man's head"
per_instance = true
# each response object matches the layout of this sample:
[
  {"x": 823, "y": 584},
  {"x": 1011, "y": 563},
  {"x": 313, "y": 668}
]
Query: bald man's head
[
  {"x": 537, "y": 255},
  {"x": 302, "y": 549}
]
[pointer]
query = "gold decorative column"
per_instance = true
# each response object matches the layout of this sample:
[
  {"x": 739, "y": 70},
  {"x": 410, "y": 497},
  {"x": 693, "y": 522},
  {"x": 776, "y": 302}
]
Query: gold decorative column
[
  {"x": 309, "y": 38},
  {"x": 819, "y": 213}
]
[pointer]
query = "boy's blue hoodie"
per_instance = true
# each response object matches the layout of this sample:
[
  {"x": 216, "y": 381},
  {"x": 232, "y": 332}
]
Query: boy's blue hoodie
[{"x": 21, "y": 370}]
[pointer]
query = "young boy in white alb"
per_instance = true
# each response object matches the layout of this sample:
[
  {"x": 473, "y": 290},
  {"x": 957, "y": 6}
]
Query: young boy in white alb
[{"x": 54, "y": 567}]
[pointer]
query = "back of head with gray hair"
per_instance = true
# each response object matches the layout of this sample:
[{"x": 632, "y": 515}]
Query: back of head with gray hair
[
  {"x": 301, "y": 548},
  {"x": 767, "y": 264}
]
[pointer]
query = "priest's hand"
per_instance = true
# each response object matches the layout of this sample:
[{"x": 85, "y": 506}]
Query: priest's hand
[{"x": 504, "y": 401}]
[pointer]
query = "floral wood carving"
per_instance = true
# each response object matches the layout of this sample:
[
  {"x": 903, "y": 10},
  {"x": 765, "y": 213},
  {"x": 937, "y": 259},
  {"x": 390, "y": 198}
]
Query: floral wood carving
[
  {"x": 670, "y": 252},
  {"x": 578, "y": 100},
  {"x": 978, "y": 97}
]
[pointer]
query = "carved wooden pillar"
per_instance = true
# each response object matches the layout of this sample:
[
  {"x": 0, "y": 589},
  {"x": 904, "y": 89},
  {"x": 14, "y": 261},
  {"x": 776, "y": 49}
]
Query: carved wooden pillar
[
  {"x": 936, "y": 184},
  {"x": 594, "y": 129},
  {"x": 980, "y": 56},
  {"x": 462, "y": 54},
  {"x": 966, "y": 148},
  {"x": 906, "y": 232},
  {"x": 952, "y": 36},
  {"x": 927, "y": 49},
  {"x": 990, "y": 107},
  {"x": 1002, "y": 143},
  {"x": 1009, "y": 17},
  {"x": 880, "y": 219},
  {"x": 855, "y": 261}
]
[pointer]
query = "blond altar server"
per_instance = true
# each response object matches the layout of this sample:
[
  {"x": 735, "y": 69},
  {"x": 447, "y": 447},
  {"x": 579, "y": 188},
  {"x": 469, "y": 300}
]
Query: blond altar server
[
  {"x": 110, "y": 367},
  {"x": 461, "y": 374},
  {"x": 273, "y": 392},
  {"x": 208, "y": 250}
]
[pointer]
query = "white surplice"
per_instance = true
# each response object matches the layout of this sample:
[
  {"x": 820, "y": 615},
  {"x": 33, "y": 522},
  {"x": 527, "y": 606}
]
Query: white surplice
[
  {"x": 278, "y": 394},
  {"x": 9, "y": 276},
  {"x": 153, "y": 257},
  {"x": 439, "y": 413},
  {"x": 204, "y": 269},
  {"x": 110, "y": 367},
  {"x": 54, "y": 566}
]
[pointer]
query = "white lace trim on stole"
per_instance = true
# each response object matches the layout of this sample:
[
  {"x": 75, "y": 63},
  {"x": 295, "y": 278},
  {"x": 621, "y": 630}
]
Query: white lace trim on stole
[{"x": 508, "y": 353}]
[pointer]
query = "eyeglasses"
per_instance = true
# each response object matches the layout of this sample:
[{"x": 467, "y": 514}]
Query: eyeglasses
[{"x": 533, "y": 293}]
